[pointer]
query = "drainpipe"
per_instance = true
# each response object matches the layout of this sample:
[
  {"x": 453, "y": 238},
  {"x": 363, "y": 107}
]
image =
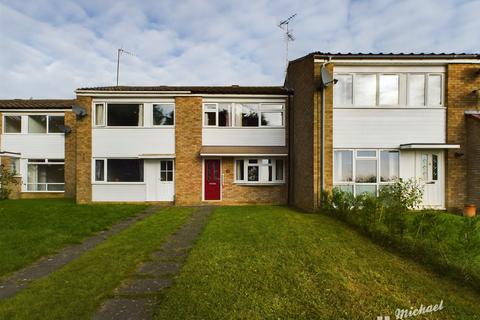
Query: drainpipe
[{"x": 322, "y": 137}]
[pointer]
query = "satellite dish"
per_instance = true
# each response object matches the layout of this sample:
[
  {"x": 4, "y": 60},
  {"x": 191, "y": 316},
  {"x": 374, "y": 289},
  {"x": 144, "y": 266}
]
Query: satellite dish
[
  {"x": 79, "y": 111},
  {"x": 327, "y": 78},
  {"x": 65, "y": 129}
]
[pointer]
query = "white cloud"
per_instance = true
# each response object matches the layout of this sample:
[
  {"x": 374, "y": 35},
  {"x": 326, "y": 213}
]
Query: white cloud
[{"x": 49, "y": 48}]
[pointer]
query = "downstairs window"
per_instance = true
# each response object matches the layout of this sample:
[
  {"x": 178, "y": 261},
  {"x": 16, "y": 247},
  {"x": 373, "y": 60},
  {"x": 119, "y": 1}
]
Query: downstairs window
[
  {"x": 46, "y": 175},
  {"x": 259, "y": 171},
  {"x": 119, "y": 170}
]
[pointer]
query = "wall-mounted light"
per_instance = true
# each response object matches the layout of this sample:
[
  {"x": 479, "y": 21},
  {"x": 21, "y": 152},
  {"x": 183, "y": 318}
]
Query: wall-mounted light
[{"x": 459, "y": 154}]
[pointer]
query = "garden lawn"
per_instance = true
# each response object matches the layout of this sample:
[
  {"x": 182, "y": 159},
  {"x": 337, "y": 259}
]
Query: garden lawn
[
  {"x": 277, "y": 263},
  {"x": 77, "y": 290},
  {"x": 30, "y": 229}
]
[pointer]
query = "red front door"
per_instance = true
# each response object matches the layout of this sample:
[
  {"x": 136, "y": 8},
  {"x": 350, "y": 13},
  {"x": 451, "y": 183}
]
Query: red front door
[{"x": 212, "y": 179}]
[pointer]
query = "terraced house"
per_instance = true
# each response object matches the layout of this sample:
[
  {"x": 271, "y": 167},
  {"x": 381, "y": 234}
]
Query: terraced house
[{"x": 351, "y": 121}]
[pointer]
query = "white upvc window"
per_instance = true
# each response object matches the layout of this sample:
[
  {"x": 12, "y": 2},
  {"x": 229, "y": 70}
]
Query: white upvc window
[
  {"x": 163, "y": 114},
  {"x": 166, "y": 170},
  {"x": 365, "y": 170},
  {"x": 398, "y": 89},
  {"x": 12, "y": 124},
  {"x": 118, "y": 114},
  {"x": 45, "y": 175},
  {"x": 248, "y": 115},
  {"x": 259, "y": 171},
  {"x": 33, "y": 123},
  {"x": 118, "y": 170}
]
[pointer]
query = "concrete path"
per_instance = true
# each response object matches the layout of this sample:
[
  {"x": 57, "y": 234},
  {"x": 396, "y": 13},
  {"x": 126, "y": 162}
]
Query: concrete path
[
  {"x": 45, "y": 266},
  {"x": 137, "y": 297}
]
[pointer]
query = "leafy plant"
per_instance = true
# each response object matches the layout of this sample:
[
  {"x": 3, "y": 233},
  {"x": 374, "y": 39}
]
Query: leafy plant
[{"x": 7, "y": 180}]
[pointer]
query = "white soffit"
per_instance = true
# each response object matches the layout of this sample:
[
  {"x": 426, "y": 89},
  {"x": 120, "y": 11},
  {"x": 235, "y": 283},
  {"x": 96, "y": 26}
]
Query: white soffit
[{"x": 416, "y": 146}]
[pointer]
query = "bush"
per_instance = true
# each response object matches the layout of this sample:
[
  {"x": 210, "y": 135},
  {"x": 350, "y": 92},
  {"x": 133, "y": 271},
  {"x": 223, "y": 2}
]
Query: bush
[
  {"x": 7, "y": 179},
  {"x": 445, "y": 241}
]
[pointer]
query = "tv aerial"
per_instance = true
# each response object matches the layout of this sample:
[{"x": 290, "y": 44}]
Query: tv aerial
[
  {"x": 284, "y": 25},
  {"x": 120, "y": 51}
]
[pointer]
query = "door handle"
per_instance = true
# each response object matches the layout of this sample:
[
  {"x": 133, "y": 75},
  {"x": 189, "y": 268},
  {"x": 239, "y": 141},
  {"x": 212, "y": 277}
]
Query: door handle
[{"x": 430, "y": 182}]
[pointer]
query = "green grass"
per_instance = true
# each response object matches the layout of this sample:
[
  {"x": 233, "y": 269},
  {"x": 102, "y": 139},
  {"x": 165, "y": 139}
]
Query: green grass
[
  {"x": 77, "y": 290},
  {"x": 277, "y": 263},
  {"x": 30, "y": 229}
]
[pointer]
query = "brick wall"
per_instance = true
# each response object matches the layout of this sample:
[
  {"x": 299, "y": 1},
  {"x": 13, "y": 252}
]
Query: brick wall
[
  {"x": 328, "y": 134},
  {"x": 300, "y": 78},
  {"x": 70, "y": 155},
  {"x": 473, "y": 161},
  {"x": 306, "y": 119},
  {"x": 461, "y": 81},
  {"x": 188, "y": 141},
  {"x": 83, "y": 152},
  {"x": 240, "y": 194}
]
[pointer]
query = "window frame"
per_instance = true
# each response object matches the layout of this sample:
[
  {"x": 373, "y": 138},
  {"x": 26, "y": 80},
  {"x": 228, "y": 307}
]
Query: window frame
[
  {"x": 262, "y": 170},
  {"x": 353, "y": 183},
  {"x": 153, "y": 110},
  {"x": 105, "y": 172},
  {"x": 167, "y": 171},
  {"x": 4, "y": 125},
  {"x": 403, "y": 90},
  {"x": 105, "y": 114},
  {"x": 261, "y": 108},
  {"x": 38, "y": 161}
]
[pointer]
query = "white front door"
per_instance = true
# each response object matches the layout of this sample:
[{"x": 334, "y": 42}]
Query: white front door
[
  {"x": 430, "y": 173},
  {"x": 166, "y": 180}
]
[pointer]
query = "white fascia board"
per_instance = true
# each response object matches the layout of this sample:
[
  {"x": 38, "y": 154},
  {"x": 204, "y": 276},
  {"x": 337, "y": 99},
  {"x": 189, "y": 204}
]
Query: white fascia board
[
  {"x": 242, "y": 155},
  {"x": 413, "y": 146},
  {"x": 139, "y": 94},
  {"x": 398, "y": 61}
]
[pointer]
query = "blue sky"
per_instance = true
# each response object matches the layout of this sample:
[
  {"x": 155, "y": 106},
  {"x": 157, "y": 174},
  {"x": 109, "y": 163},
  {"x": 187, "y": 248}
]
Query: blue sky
[{"x": 49, "y": 48}]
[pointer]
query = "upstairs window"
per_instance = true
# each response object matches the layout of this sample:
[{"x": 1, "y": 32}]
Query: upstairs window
[
  {"x": 56, "y": 124},
  {"x": 365, "y": 90},
  {"x": 247, "y": 115},
  {"x": 124, "y": 115},
  {"x": 164, "y": 114},
  {"x": 243, "y": 115},
  {"x": 12, "y": 124},
  {"x": 388, "y": 90},
  {"x": 37, "y": 124},
  {"x": 272, "y": 115},
  {"x": 343, "y": 90}
]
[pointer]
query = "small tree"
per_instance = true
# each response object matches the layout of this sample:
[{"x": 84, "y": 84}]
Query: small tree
[{"x": 7, "y": 180}]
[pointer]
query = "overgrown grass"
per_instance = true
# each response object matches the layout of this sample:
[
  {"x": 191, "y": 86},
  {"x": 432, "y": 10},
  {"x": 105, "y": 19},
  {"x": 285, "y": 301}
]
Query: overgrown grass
[
  {"x": 277, "y": 263},
  {"x": 77, "y": 290},
  {"x": 30, "y": 229}
]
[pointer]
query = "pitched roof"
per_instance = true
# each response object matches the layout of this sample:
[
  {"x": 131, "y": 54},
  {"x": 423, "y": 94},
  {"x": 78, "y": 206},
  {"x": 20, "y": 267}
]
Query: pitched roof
[
  {"x": 195, "y": 89},
  {"x": 36, "y": 104}
]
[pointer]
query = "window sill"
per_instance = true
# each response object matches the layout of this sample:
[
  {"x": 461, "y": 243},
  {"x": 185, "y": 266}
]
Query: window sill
[
  {"x": 133, "y": 127},
  {"x": 391, "y": 108},
  {"x": 227, "y": 128},
  {"x": 254, "y": 184},
  {"x": 117, "y": 183}
]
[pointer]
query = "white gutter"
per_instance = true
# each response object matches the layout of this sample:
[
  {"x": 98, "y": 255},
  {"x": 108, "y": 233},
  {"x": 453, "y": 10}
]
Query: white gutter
[
  {"x": 173, "y": 94},
  {"x": 399, "y": 61}
]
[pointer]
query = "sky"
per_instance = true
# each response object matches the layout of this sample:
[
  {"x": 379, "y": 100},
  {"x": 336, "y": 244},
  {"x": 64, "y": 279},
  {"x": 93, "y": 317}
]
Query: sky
[{"x": 50, "y": 48}]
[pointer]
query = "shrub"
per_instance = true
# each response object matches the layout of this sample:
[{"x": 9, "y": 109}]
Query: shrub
[{"x": 7, "y": 179}]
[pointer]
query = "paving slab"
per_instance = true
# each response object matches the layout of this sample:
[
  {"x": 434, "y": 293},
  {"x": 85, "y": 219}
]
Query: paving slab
[{"x": 135, "y": 297}]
